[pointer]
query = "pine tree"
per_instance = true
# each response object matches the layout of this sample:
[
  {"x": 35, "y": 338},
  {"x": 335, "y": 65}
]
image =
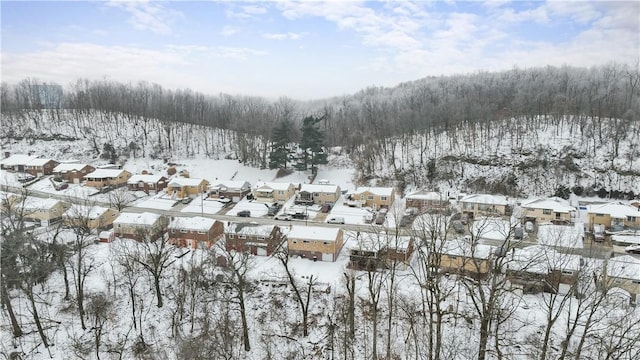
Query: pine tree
[
  {"x": 311, "y": 145},
  {"x": 280, "y": 150}
]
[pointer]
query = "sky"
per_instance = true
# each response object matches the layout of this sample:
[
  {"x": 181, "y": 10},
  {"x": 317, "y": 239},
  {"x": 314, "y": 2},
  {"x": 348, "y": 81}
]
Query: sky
[{"x": 305, "y": 49}]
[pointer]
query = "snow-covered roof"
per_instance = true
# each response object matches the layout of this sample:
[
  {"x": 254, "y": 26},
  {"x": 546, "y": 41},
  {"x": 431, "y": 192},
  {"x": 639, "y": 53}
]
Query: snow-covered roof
[
  {"x": 182, "y": 181},
  {"x": 90, "y": 212},
  {"x": 250, "y": 229},
  {"x": 231, "y": 184},
  {"x": 104, "y": 173},
  {"x": 273, "y": 186},
  {"x": 493, "y": 228},
  {"x": 144, "y": 218},
  {"x": 38, "y": 162},
  {"x": 462, "y": 247},
  {"x": 145, "y": 178},
  {"x": 320, "y": 188},
  {"x": 69, "y": 167},
  {"x": 375, "y": 242},
  {"x": 541, "y": 260},
  {"x": 380, "y": 191},
  {"x": 197, "y": 223},
  {"x": 35, "y": 203},
  {"x": 554, "y": 204},
  {"x": 626, "y": 267},
  {"x": 561, "y": 235},
  {"x": 615, "y": 210},
  {"x": 314, "y": 233},
  {"x": 17, "y": 159},
  {"x": 421, "y": 195},
  {"x": 485, "y": 199}
]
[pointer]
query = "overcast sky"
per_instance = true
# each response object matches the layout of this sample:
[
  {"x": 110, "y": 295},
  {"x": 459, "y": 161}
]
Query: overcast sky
[{"x": 306, "y": 50}]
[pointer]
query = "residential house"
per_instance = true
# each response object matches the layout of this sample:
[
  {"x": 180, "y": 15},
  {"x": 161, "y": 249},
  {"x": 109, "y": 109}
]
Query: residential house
[
  {"x": 540, "y": 268},
  {"x": 43, "y": 211},
  {"x": 40, "y": 167},
  {"x": 319, "y": 194},
  {"x": 270, "y": 192},
  {"x": 256, "y": 239},
  {"x": 107, "y": 177},
  {"x": 92, "y": 217},
  {"x": 614, "y": 216},
  {"x": 150, "y": 184},
  {"x": 624, "y": 272},
  {"x": 17, "y": 162},
  {"x": 373, "y": 197},
  {"x": 427, "y": 201},
  {"x": 72, "y": 172},
  {"x": 234, "y": 190},
  {"x": 140, "y": 226},
  {"x": 181, "y": 187},
  {"x": 316, "y": 243},
  {"x": 484, "y": 204},
  {"x": 461, "y": 256},
  {"x": 554, "y": 210},
  {"x": 371, "y": 251},
  {"x": 195, "y": 232}
]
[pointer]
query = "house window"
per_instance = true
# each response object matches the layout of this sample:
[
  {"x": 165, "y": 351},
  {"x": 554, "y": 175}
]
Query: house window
[
  {"x": 631, "y": 218},
  {"x": 315, "y": 195},
  {"x": 294, "y": 241},
  {"x": 453, "y": 257},
  {"x": 565, "y": 272},
  {"x": 635, "y": 281},
  {"x": 243, "y": 236},
  {"x": 305, "y": 241},
  {"x": 230, "y": 236},
  {"x": 260, "y": 237},
  {"x": 370, "y": 197},
  {"x": 546, "y": 211},
  {"x": 184, "y": 230},
  {"x": 384, "y": 198},
  {"x": 325, "y": 243},
  {"x": 201, "y": 232},
  {"x": 280, "y": 192},
  {"x": 599, "y": 215}
]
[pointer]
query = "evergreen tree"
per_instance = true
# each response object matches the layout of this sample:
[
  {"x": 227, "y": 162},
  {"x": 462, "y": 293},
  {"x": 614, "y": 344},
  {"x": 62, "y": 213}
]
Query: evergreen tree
[
  {"x": 311, "y": 145},
  {"x": 280, "y": 140}
]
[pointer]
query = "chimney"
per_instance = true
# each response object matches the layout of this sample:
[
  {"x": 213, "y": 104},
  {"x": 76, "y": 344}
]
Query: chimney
[{"x": 7, "y": 154}]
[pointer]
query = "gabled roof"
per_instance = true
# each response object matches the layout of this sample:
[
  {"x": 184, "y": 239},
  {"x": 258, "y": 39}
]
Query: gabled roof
[
  {"x": 553, "y": 204},
  {"x": 144, "y": 218},
  {"x": 231, "y": 184},
  {"x": 250, "y": 229},
  {"x": 90, "y": 212},
  {"x": 314, "y": 233},
  {"x": 541, "y": 259},
  {"x": 615, "y": 210},
  {"x": 273, "y": 185},
  {"x": 463, "y": 247},
  {"x": 17, "y": 159},
  {"x": 181, "y": 181},
  {"x": 196, "y": 223},
  {"x": 423, "y": 195},
  {"x": 69, "y": 167},
  {"x": 626, "y": 267},
  {"x": 380, "y": 191},
  {"x": 38, "y": 162},
  {"x": 374, "y": 242},
  {"x": 35, "y": 203},
  {"x": 485, "y": 199},
  {"x": 317, "y": 188},
  {"x": 104, "y": 173},
  {"x": 146, "y": 178}
]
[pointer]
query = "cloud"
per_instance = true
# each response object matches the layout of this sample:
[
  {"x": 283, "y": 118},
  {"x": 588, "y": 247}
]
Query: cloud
[
  {"x": 283, "y": 36},
  {"x": 228, "y": 31},
  {"x": 152, "y": 16}
]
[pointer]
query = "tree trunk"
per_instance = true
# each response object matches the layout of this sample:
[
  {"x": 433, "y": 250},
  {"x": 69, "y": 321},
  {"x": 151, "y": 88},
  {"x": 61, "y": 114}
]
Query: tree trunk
[
  {"x": 156, "y": 280},
  {"x": 80, "y": 292},
  {"x": 36, "y": 319},
  {"x": 245, "y": 327},
  {"x": 484, "y": 338},
  {"x": 17, "y": 331}
]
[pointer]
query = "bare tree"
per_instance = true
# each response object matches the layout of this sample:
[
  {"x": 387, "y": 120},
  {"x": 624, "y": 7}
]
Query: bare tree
[
  {"x": 237, "y": 265},
  {"x": 99, "y": 309},
  {"x": 302, "y": 292},
  {"x": 120, "y": 198}
]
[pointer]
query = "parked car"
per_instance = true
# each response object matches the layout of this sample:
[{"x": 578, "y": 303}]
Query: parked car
[
  {"x": 299, "y": 216},
  {"x": 244, "y": 213},
  {"x": 335, "y": 220},
  {"x": 285, "y": 217},
  {"x": 325, "y": 208},
  {"x": 457, "y": 226},
  {"x": 518, "y": 233},
  {"x": 187, "y": 200},
  {"x": 632, "y": 249}
]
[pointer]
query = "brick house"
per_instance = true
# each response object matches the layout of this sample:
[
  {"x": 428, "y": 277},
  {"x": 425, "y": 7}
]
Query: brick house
[
  {"x": 72, "y": 172},
  {"x": 40, "y": 167},
  {"x": 195, "y": 232},
  {"x": 107, "y": 177},
  {"x": 373, "y": 197},
  {"x": 257, "y": 239},
  {"x": 372, "y": 251},
  {"x": 316, "y": 243},
  {"x": 181, "y": 187},
  {"x": 234, "y": 190},
  {"x": 140, "y": 226},
  {"x": 319, "y": 194},
  {"x": 614, "y": 216},
  {"x": 94, "y": 217},
  {"x": 427, "y": 201},
  {"x": 150, "y": 184}
]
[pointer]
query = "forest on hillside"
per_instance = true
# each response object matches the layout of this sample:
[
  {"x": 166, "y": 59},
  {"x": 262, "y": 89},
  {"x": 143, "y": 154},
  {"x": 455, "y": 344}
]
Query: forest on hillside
[{"x": 416, "y": 132}]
